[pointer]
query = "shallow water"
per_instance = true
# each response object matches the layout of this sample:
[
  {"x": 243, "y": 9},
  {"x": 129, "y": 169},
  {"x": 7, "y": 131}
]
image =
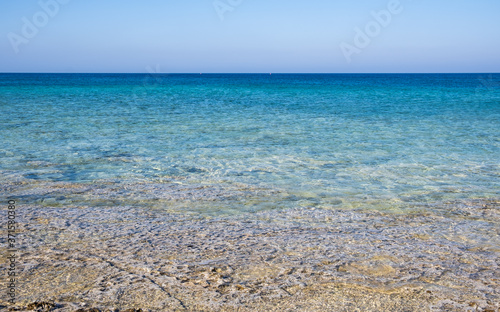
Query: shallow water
[
  {"x": 236, "y": 143},
  {"x": 280, "y": 260}
]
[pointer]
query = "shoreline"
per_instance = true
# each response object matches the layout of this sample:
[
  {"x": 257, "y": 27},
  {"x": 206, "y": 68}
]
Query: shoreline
[{"x": 281, "y": 260}]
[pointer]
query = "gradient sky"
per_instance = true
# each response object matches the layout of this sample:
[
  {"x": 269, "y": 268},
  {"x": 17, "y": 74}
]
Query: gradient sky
[{"x": 280, "y": 36}]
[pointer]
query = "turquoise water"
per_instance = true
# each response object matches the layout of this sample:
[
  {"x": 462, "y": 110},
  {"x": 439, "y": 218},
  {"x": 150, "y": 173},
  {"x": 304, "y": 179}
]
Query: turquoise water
[{"x": 250, "y": 142}]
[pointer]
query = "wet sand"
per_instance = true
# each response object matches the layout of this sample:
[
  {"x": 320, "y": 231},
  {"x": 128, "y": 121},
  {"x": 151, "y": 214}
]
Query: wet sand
[{"x": 444, "y": 258}]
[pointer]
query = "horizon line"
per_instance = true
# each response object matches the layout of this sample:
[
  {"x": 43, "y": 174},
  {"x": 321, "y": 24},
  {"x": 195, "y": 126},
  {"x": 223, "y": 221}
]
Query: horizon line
[{"x": 250, "y": 73}]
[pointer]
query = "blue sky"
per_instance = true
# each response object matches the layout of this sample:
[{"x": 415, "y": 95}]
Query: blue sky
[{"x": 226, "y": 36}]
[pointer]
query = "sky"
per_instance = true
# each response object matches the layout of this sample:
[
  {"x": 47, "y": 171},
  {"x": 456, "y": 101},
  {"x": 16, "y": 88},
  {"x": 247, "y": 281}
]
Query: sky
[{"x": 250, "y": 36}]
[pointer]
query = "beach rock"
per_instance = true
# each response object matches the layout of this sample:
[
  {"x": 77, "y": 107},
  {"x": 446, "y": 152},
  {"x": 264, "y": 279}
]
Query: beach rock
[{"x": 41, "y": 306}]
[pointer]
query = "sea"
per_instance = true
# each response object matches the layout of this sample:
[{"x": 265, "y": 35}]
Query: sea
[{"x": 219, "y": 144}]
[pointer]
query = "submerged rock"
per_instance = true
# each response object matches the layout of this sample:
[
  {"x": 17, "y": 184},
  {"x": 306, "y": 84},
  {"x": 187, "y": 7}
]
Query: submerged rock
[{"x": 41, "y": 306}]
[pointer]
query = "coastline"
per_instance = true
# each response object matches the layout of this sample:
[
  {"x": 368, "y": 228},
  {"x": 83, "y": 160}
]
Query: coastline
[{"x": 251, "y": 192}]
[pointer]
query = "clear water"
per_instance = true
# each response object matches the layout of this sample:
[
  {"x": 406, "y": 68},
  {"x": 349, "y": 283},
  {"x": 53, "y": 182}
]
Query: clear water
[{"x": 236, "y": 143}]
